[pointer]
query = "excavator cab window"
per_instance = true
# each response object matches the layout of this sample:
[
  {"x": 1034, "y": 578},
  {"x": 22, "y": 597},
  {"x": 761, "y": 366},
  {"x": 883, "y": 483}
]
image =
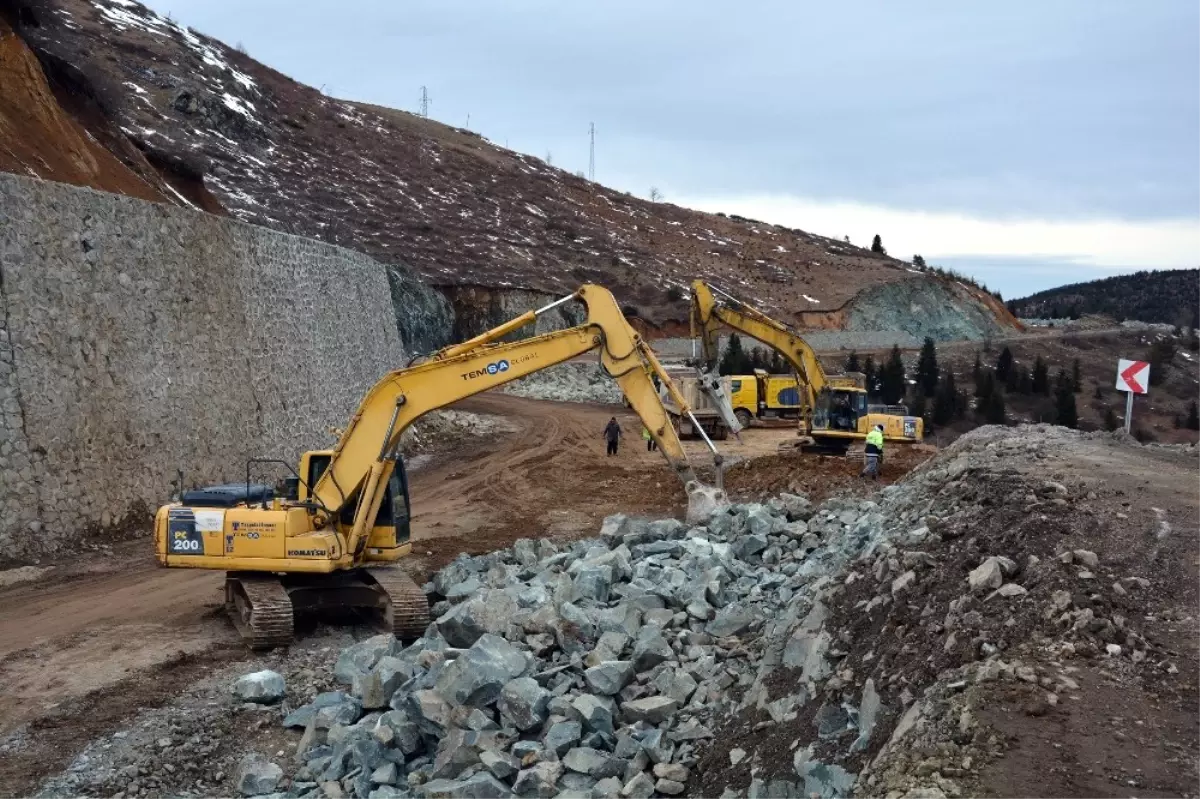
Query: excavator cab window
[
  {"x": 839, "y": 410},
  {"x": 393, "y": 510}
]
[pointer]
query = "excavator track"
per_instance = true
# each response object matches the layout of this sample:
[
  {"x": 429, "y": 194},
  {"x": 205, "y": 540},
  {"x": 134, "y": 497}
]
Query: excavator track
[
  {"x": 260, "y": 609},
  {"x": 407, "y": 614}
]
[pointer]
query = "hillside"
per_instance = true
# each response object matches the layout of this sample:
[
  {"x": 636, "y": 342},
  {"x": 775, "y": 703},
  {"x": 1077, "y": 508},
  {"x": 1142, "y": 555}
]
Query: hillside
[
  {"x": 1169, "y": 296},
  {"x": 493, "y": 229}
]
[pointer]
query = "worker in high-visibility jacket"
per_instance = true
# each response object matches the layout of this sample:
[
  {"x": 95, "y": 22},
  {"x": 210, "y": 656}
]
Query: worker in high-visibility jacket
[{"x": 874, "y": 453}]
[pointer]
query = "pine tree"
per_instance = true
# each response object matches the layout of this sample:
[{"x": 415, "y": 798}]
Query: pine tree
[
  {"x": 976, "y": 368},
  {"x": 945, "y": 400},
  {"x": 993, "y": 411},
  {"x": 892, "y": 378},
  {"x": 852, "y": 364},
  {"x": 733, "y": 360},
  {"x": 1024, "y": 381},
  {"x": 1004, "y": 364},
  {"x": 985, "y": 386},
  {"x": 1012, "y": 383},
  {"x": 984, "y": 381},
  {"x": 1041, "y": 377},
  {"x": 1076, "y": 377},
  {"x": 877, "y": 245},
  {"x": 1110, "y": 420},
  {"x": 1065, "y": 413},
  {"x": 961, "y": 404},
  {"x": 1193, "y": 417},
  {"x": 918, "y": 408},
  {"x": 927, "y": 368},
  {"x": 871, "y": 378},
  {"x": 918, "y": 261}
]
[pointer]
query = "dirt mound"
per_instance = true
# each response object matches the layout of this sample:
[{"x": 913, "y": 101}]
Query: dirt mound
[
  {"x": 816, "y": 476},
  {"x": 463, "y": 211},
  {"x": 1026, "y": 626}
]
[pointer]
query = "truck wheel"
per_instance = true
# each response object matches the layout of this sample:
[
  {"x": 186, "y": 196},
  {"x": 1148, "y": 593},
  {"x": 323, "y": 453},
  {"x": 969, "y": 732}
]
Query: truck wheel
[{"x": 743, "y": 416}]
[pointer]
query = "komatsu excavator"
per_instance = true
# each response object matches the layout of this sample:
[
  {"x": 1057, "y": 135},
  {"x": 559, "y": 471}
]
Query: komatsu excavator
[
  {"x": 833, "y": 408},
  {"x": 327, "y": 538}
]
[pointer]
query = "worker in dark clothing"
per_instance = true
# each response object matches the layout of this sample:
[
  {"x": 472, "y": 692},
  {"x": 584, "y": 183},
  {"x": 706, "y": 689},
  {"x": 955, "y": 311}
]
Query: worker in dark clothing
[{"x": 612, "y": 434}]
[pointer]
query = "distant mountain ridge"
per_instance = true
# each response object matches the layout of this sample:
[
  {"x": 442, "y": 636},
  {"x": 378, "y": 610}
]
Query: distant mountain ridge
[{"x": 1167, "y": 296}]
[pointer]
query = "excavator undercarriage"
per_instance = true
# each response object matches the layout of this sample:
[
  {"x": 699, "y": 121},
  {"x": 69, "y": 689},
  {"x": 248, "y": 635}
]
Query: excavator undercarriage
[{"x": 264, "y": 607}]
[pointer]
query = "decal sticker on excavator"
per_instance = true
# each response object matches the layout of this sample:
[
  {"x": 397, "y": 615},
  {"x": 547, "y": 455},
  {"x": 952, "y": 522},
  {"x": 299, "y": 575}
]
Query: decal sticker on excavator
[
  {"x": 306, "y": 553},
  {"x": 183, "y": 535},
  {"x": 494, "y": 368},
  {"x": 910, "y": 428}
]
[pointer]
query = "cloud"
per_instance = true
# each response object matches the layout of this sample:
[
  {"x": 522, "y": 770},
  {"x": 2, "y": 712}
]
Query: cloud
[
  {"x": 1017, "y": 256},
  {"x": 1115, "y": 243}
]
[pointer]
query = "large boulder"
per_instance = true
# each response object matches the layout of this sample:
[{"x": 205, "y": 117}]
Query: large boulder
[
  {"x": 608, "y": 678},
  {"x": 485, "y": 612},
  {"x": 477, "y": 675},
  {"x": 652, "y": 709},
  {"x": 262, "y": 687},
  {"x": 650, "y": 649},
  {"x": 524, "y": 703},
  {"x": 257, "y": 776},
  {"x": 477, "y": 786},
  {"x": 326, "y": 710},
  {"x": 375, "y": 688},
  {"x": 595, "y": 763},
  {"x": 730, "y": 620},
  {"x": 362, "y": 657}
]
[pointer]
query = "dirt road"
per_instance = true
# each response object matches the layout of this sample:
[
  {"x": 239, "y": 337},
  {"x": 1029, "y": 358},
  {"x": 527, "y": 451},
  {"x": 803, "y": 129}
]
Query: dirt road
[{"x": 120, "y": 614}]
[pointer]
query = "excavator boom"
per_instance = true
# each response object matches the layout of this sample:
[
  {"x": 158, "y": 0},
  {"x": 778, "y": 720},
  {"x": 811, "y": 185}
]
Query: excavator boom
[{"x": 360, "y": 458}]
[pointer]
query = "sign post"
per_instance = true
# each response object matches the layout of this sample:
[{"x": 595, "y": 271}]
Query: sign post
[{"x": 1133, "y": 377}]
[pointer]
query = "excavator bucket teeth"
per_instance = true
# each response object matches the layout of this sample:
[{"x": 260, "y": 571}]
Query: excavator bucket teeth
[
  {"x": 407, "y": 613},
  {"x": 260, "y": 609}
]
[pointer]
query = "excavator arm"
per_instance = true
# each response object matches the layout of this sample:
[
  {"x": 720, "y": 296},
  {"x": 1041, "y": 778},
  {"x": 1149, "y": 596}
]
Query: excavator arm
[
  {"x": 363, "y": 459},
  {"x": 709, "y": 314}
]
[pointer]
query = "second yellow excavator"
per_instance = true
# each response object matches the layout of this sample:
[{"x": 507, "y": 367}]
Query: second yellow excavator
[
  {"x": 833, "y": 408},
  {"x": 327, "y": 539}
]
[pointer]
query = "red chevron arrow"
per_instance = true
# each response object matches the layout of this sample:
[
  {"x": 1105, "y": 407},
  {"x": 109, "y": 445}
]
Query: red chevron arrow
[{"x": 1130, "y": 376}]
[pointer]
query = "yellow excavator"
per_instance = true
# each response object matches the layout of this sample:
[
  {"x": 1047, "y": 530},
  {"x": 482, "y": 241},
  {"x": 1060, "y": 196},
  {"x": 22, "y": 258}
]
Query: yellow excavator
[
  {"x": 834, "y": 412},
  {"x": 326, "y": 539}
]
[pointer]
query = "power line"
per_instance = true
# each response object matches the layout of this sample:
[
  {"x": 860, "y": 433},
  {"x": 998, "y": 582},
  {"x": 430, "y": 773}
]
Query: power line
[{"x": 592, "y": 151}]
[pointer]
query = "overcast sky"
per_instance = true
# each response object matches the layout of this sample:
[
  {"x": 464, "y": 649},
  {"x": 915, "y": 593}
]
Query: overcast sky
[{"x": 1030, "y": 143}]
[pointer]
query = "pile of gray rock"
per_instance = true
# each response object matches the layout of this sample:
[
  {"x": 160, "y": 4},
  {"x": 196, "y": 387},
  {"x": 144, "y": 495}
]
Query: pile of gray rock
[
  {"x": 575, "y": 381},
  {"x": 596, "y": 670},
  {"x": 445, "y": 429}
]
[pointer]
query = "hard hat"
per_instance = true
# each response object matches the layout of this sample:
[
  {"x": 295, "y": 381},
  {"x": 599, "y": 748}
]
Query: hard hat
[{"x": 879, "y": 427}]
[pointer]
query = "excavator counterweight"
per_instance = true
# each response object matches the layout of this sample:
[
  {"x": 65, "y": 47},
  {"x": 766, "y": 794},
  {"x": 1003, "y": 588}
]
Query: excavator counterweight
[{"x": 331, "y": 537}]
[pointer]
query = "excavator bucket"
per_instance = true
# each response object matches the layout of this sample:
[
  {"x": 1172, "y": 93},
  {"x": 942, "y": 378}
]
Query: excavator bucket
[
  {"x": 710, "y": 384},
  {"x": 704, "y": 501}
]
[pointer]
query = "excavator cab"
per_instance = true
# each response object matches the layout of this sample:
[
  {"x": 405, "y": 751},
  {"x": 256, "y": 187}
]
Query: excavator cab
[
  {"x": 393, "y": 522},
  {"x": 839, "y": 409}
]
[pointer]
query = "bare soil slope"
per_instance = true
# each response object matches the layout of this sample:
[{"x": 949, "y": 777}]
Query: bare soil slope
[{"x": 461, "y": 210}]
